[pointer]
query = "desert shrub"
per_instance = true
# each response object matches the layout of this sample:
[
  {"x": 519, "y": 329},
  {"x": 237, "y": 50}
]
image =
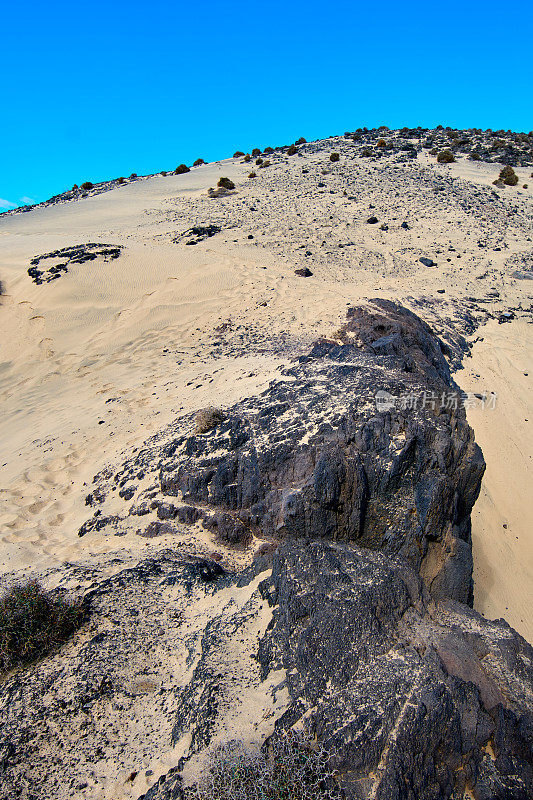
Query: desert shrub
[
  {"x": 133, "y": 175},
  {"x": 268, "y": 151},
  {"x": 265, "y": 164},
  {"x": 509, "y": 176},
  {"x": 208, "y": 418},
  {"x": 247, "y": 158},
  {"x": 33, "y": 623},
  {"x": 252, "y": 174},
  {"x": 334, "y": 157},
  {"x": 256, "y": 152},
  {"x": 292, "y": 150},
  {"x": 198, "y": 162},
  {"x": 181, "y": 169},
  {"x": 86, "y": 185},
  {"x": 381, "y": 143},
  {"x": 301, "y": 140},
  {"x": 292, "y": 769},
  {"x": 445, "y": 157},
  {"x": 524, "y": 186},
  {"x": 367, "y": 153},
  {"x": 238, "y": 154},
  {"x": 123, "y": 180},
  {"x": 225, "y": 183},
  {"x": 163, "y": 173},
  {"x": 74, "y": 188},
  {"x": 258, "y": 161}
]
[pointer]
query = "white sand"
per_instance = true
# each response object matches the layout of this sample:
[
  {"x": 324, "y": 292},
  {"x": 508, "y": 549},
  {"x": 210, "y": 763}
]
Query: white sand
[{"x": 99, "y": 332}]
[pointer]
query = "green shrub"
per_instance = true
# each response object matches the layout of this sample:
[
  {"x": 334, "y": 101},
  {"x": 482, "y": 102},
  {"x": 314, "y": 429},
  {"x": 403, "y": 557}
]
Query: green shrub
[
  {"x": 252, "y": 174},
  {"x": 198, "y": 162},
  {"x": 291, "y": 769},
  {"x": 181, "y": 169},
  {"x": 33, "y": 623},
  {"x": 225, "y": 183},
  {"x": 445, "y": 157},
  {"x": 268, "y": 151},
  {"x": 247, "y": 158},
  {"x": 301, "y": 140},
  {"x": 87, "y": 185},
  {"x": 265, "y": 164},
  {"x": 292, "y": 150},
  {"x": 334, "y": 157},
  {"x": 238, "y": 154},
  {"x": 509, "y": 176},
  {"x": 256, "y": 152},
  {"x": 258, "y": 161}
]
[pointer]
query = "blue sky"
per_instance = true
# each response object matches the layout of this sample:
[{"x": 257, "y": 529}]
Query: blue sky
[{"x": 94, "y": 90}]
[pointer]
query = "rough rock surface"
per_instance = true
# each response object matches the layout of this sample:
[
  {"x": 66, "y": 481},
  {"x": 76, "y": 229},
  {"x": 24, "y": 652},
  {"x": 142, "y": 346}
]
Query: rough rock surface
[
  {"x": 59, "y": 261},
  {"x": 313, "y": 456}
]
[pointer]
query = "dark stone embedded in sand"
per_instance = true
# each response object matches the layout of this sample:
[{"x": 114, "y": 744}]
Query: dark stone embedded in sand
[
  {"x": 427, "y": 262},
  {"x": 372, "y": 220},
  {"x": 76, "y": 254},
  {"x": 304, "y": 272}
]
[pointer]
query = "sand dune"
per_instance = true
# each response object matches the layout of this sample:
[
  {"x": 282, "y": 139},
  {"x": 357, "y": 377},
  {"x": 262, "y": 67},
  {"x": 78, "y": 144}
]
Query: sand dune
[{"x": 93, "y": 363}]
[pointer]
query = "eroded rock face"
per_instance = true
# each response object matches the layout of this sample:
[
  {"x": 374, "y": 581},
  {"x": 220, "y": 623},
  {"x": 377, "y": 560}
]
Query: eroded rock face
[
  {"x": 413, "y": 700},
  {"x": 314, "y": 457}
]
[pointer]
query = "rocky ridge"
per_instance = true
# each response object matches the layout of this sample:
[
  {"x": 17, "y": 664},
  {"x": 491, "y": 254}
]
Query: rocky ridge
[{"x": 344, "y": 492}]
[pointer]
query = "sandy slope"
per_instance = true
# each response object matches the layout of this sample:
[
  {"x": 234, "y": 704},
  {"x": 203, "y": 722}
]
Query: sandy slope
[{"x": 136, "y": 341}]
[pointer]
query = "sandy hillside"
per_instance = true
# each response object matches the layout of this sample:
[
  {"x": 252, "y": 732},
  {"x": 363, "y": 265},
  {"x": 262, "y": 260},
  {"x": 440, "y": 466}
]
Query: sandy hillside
[{"x": 96, "y": 361}]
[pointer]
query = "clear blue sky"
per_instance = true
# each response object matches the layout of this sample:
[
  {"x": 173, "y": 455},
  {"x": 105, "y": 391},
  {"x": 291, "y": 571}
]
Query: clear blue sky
[{"x": 94, "y": 90}]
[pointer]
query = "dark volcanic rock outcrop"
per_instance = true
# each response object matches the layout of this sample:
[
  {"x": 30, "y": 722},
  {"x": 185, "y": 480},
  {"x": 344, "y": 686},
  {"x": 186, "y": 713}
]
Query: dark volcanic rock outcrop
[
  {"x": 414, "y": 700},
  {"x": 59, "y": 261},
  {"x": 319, "y": 455}
]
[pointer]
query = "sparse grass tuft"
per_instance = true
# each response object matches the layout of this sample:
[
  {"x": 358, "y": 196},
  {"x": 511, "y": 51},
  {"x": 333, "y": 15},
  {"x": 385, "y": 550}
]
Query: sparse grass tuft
[
  {"x": 208, "y": 418},
  {"x": 291, "y": 769},
  {"x": 33, "y": 623},
  {"x": 445, "y": 157}
]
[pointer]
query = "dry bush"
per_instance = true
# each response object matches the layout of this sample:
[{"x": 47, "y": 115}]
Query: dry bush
[
  {"x": 238, "y": 154},
  {"x": 334, "y": 157},
  {"x": 33, "y": 623},
  {"x": 208, "y": 418},
  {"x": 256, "y": 152},
  {"x": 292, "y": 150},
  {"x": 445, "y": 157},
  {"x": 198, "y": 162},
  {"x": 86, "y": 185},
  {"x": 291, "y": 769},
  {"x": 509, "y": 176},
  {"x": 247, "y": 157},
  {"x": 226, "y": 183},
  {"x": 181, "y": 170},
  {"x": 252, "y": 174}
]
